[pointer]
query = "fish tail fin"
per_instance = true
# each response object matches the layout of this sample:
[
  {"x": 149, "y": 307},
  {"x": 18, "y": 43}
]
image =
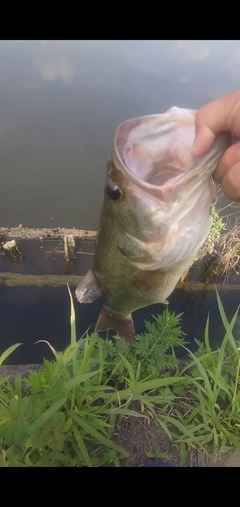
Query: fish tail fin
[{"x": 123, "y": 326}]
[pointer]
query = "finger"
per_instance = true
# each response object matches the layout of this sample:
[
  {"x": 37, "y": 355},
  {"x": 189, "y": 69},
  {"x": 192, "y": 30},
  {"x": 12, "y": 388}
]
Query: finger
[
  {"x": 203, "y": 141},
  {"x": 217, "y": 116},
  {"x": 230, "y": 158},
  {"x": 231, "y": 183}
]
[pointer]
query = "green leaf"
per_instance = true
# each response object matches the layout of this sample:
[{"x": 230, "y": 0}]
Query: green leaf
[
  {"x": 129, "y": 368},
  {"x": 57, "y": 421},
  {"x": 18, "y": 386},
  {"x": 8, "y": 352},
  {"x": 183, "y": 428},
  {"x": 165, "y": 428},
  {"x": 221, "y": 383},
  {"x": 154, "y": 384},
  {"x": 43, "y": 438},
  {"x": 61, "y": 458},
  {"x": 72, "y": 319},
  {"x": 22, "y": 433},
  {"x": 85, "y": 456},
  {"x": 88, "y": 351},
  {"x": 13, "y": 406},
  {"x": 96, "y": 434},
  {"x": 228, "y": 336},
  {"x": 67, "y": 425},
  {"x": 47, "y": 414},
  {"x": 4, "y": 411},
  {"x": 3, "y": 380},
  {"x": 4, "y": 425},
  {"x": 124, "y": 412},
  {"x": 101, "y": 359},
  {"x": 69, "y": 352},
  {"x": 206, "y": 340},
  {"x": 81, "y": 378},
  {"x": 57, "y": 442},
  {"x": 10, "y": 435},
  {"x": 27, "y": 459},
  {"x": 157, "y": 454},
  {"x": 23, "y": 406},
  {"x": 225, "y": 320},
  {"x": 203, "y": 374}
]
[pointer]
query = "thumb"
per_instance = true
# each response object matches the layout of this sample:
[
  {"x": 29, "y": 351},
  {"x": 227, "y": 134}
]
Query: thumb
[{"x": 203, "y": 140}]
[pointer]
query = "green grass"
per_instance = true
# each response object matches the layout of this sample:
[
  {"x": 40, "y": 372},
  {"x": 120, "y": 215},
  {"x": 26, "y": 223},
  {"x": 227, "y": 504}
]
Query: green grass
[
  {"x": 217, "y": 232},
  {"x": 67, "y": 413},
  {"x": 218, "y": 226},
  {"x": 208, "y": 415},
  {"x": 71, "y": 408}
]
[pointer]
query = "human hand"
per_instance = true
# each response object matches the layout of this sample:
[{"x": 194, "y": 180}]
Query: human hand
[{"x": 221, "y": 115}]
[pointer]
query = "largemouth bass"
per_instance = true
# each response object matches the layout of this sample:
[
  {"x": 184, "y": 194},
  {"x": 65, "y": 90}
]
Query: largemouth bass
[{"x": 155, "y": 216}]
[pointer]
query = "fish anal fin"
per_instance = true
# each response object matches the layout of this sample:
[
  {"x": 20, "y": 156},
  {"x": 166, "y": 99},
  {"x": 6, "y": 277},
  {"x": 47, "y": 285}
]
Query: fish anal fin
[
  {"x": 112, "y": 320},
  {"x": 88, "y": 289}
]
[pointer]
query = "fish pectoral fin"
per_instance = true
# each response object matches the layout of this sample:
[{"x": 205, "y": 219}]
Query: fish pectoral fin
[
  {"x": 88, "y": 290},
  {"x": 165, "y": 302},
  {"x": 124, "y": 327}
]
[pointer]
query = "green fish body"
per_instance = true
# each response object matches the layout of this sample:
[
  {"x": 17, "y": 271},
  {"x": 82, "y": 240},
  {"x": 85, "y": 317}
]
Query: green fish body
[{"x": 155, "y": 216}]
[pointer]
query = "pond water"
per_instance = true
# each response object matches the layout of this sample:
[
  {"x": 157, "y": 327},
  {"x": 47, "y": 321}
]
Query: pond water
[{"x": 60, "y": 104}]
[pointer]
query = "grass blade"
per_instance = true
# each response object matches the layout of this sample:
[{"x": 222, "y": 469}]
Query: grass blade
[
  {"x": 9, "y": 351},
  {"x": 88, "y": 428},
  {"x": 101, "y": 360},
  {"x": 82, "y": 447},
  {"x": 81, "y": 378},
  {"x": 129, "y": 367},
  {"x": 72, "y": 319},
  {"x": 55, "y": 353},
  {"x": 88, "y": 349},
  {"x": 225, "y": 320},
  {"x": 203, "y": 373},
  {"x": 154, "y": 384},
  {"x": 73, "y": 330},
  {"x": 47, "y": 414}
]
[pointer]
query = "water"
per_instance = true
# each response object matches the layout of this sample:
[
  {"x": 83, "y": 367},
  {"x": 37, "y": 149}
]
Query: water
[{"x": 60, "y": 104}]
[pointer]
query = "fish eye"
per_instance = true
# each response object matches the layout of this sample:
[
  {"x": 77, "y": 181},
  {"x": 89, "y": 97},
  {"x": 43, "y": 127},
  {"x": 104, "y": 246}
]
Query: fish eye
[{"x": 114, "y": 192}]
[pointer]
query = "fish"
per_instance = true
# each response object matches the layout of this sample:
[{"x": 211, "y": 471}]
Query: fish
[{"x": 156, "y": 215}]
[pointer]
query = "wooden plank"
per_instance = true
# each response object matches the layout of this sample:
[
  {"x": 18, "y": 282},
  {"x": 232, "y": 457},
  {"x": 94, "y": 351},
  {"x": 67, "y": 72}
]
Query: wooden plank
[
  {"x": 22, "y": 280},
  {"x": 24, "y": 369},
  {"x": 18, "y": 369},
  {"x": 29, "y": 280},
  {"x": 45, "y": 233}
]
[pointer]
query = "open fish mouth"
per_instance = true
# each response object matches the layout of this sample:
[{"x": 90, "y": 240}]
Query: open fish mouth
[
  {"x": 154, "y": 152},
  {"x": 171, "y": 189},
  {"x": 156, "y": 148}
]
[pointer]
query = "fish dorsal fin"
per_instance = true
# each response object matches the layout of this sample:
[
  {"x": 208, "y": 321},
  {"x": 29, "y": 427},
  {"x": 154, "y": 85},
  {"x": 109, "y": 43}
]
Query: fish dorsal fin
[{"x": 88, "y": 290}]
